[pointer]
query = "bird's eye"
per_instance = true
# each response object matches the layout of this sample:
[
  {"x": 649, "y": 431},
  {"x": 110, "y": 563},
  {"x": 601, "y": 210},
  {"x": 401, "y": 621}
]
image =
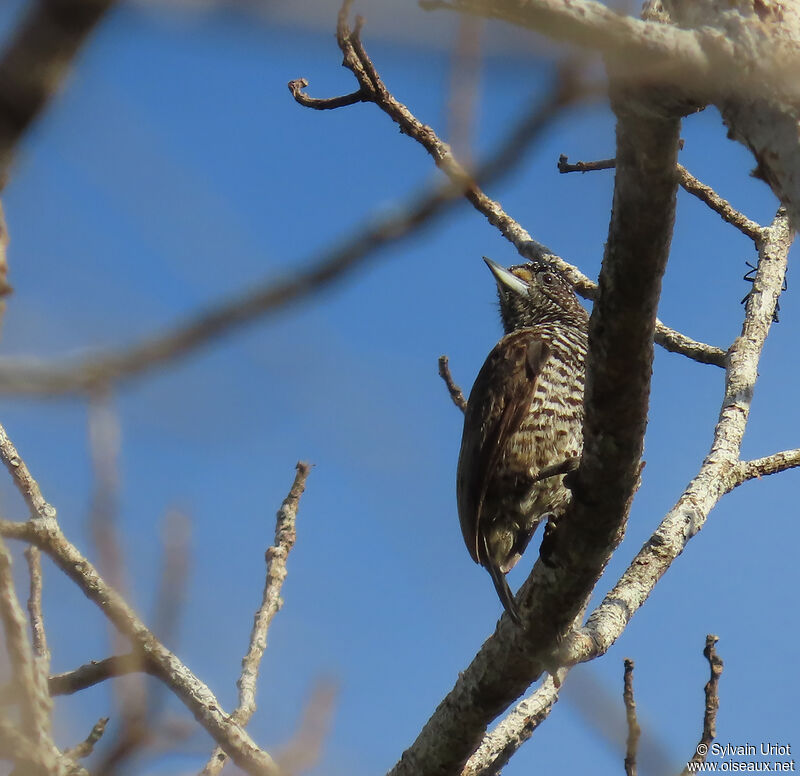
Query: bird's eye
[{"x": 547, "y": 278}]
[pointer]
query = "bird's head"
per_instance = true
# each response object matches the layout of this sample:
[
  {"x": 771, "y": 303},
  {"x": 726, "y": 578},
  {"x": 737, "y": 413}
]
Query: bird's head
[{"x": 535, "y": 293}]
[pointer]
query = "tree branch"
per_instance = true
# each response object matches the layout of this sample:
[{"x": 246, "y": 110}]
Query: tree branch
[
  {"x": 31, "y": 694},
  {"x": 276, "y": 557},
  {"x": 711, "y": 705},
  {"x": 690, "y": 184},
  {"x": 653, "y": 52},
  {"x": 618, "y": 375},
  {"x": 565, "y": 91},
  {"x": 35, "y": 63},
  {"x": 456, "y": 394},
  {"x": 634, "y": 731}
]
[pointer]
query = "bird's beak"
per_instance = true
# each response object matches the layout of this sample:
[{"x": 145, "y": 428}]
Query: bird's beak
[{"x": 506, "y": 279}]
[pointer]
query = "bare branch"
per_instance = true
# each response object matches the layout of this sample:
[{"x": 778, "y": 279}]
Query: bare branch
[
  {"x": 499, "y": 745},
  {"x": 31, "y": 695},
  {"x": 456, "y": 393},
  {"x": 771, "y": 464},
  {"x": 721, "y": 206},
  {"x": 634, "y": 731},
  {"x": 690, "y": 184},
  {"x": 719, "y": 473},
  {"x": 40, "y": 650},
  {"x": 566, "y": 90},
  {"x": 43, "y": 531},
  {"x": 331, "y": 103},
  {"x": 86, "y": 747},
  {"x": 47, "y": 380},
  {"x": 711, "y": 705},
  {"x": 276, "y": 557}
]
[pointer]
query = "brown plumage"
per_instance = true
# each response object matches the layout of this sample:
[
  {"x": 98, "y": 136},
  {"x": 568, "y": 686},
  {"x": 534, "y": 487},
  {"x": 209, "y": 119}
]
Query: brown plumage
[{"x": 524, "y": 417}]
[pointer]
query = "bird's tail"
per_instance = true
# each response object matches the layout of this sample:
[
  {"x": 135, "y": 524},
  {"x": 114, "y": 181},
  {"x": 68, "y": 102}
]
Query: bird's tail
[{"x": 501, "y": 586}]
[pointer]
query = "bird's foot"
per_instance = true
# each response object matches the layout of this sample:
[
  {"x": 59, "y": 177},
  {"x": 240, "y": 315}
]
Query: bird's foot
[{"x": 548, "y": 540}]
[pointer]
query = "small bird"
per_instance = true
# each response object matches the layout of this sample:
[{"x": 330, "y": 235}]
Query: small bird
[{"x": 523, "y": 425}]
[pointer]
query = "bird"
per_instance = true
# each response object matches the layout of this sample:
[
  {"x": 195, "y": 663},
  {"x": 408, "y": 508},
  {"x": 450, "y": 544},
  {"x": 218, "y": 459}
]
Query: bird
[{"x": 523, "y": 423}]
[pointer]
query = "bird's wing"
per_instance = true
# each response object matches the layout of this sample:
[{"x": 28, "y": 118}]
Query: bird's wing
[{"x": 498, "y": 403}]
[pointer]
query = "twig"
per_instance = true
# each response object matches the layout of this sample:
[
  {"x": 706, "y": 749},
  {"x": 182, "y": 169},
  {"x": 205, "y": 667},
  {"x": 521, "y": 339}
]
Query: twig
[
  {"x": 84, "y": 676},
  {"x": 34, "y": 702},
  {"x": 719, "y": 474},
  {"x": 38, "y": 634},
  {"x": 276, "y": 557},
  {"x": 709, "y": 733},
  {"x": 721, "y": 206},
  {"x": 86, "y": 747},
  {"x": 331, "y": 103},
  {"x": 41, "y": 653},
  {"x": 455, "y": 392},
  {"x": 564, "y": 165},
  {"x": 44, "y": 532},
  {"x": 634, "y": 731},
  {"x": 770, "y": 464},
  {"x": 689, "y": 183}
]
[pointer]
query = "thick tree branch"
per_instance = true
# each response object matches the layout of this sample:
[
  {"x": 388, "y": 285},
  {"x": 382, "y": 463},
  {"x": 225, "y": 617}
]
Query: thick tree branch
[
  {"x": 566, "y": 90},
  {"x": 618, "y": 378},
  {"x": 276, "y": 557}
]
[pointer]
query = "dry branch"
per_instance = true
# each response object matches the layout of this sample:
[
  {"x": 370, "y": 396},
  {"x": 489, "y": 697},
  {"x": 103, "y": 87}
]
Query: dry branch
[
  {"x": 276, "y": 557},
  {"x": 43, "y": 531},
  {"x": 690, "y": 184},
  {"x": 567, "y": 89},
  {"x": 86, "y": 747},
  {"x": 634, "y": 731},
  {"x": 711, "y": 704},
  {"x": 516, "y": 727},
  {"x": 456, "y": 394}
]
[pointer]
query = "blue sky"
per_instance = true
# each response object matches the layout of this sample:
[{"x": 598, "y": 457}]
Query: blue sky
[{"x": 176, "y": 169}]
